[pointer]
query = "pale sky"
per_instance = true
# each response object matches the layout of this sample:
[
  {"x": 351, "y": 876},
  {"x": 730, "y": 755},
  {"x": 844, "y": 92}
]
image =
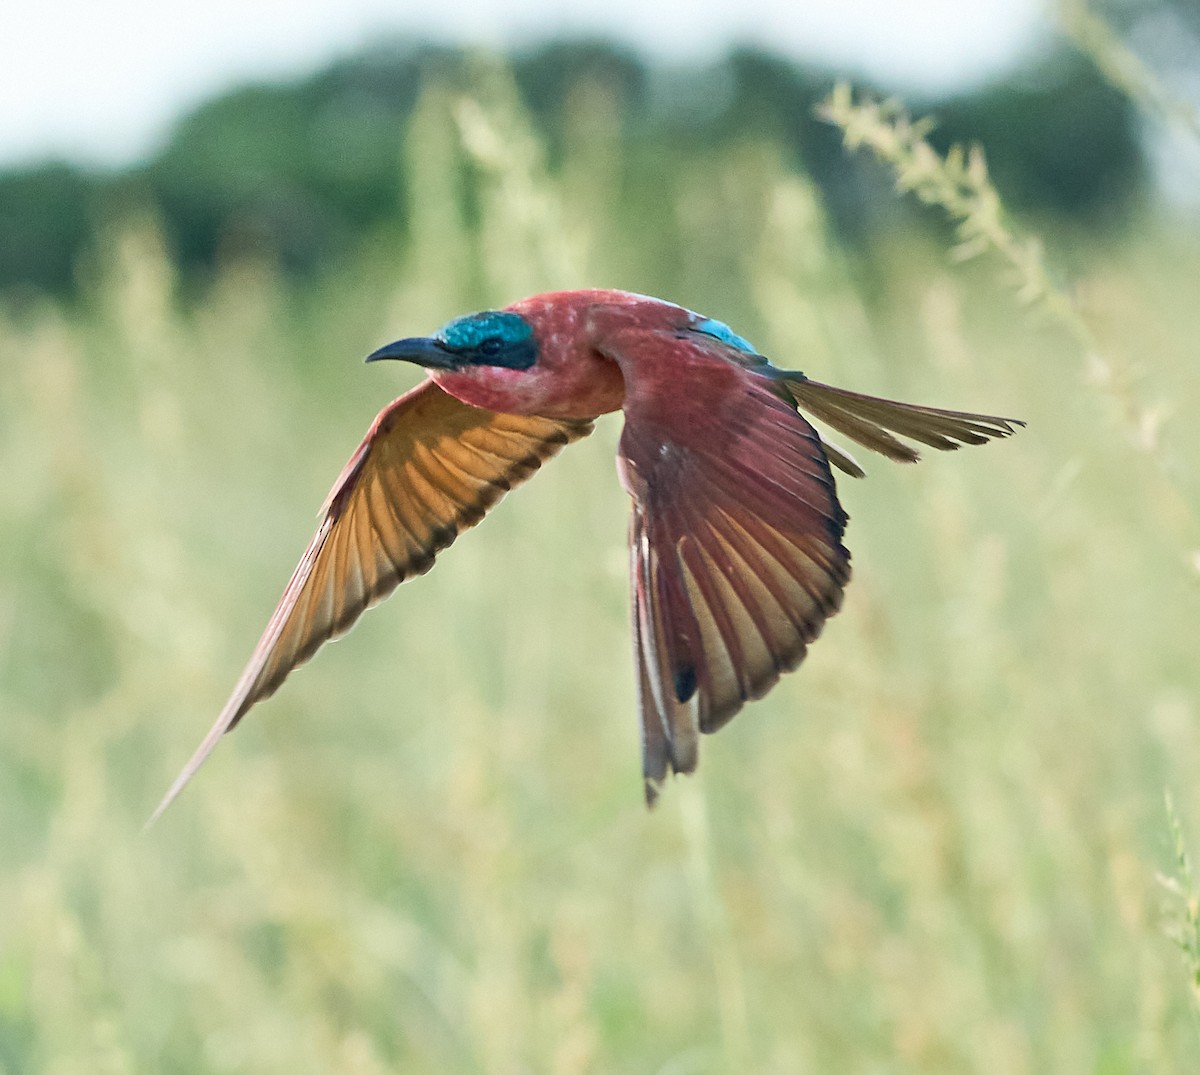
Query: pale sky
[{"x": 101, "y": 80}]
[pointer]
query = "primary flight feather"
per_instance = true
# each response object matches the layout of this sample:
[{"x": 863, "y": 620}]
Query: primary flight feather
[{"x": 736, "y": 554}]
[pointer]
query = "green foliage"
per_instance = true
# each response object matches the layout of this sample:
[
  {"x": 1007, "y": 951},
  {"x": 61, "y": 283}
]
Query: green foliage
[
  {"x": 960, "y": 184},
  {"x": 1060, "y": 139},
  {"x": 305, "y": 172},
  {"x": 1124, "y": 69},
  {"x": 46, "y": 215},
  {"x": 299, "y": 169},
  {"x": 550, "y": 74},
  {"x": 931, "y": 850},
  {"x": 1183, "y": 917}
]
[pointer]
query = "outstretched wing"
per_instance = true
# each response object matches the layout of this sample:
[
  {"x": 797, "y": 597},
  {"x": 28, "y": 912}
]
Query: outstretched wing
[
  {"x": 736, "y": 551},
  {"x": 429, "y": 468}
]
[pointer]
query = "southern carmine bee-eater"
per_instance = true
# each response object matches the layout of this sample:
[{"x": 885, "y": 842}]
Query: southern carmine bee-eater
[{"x": 736, "y": 554}]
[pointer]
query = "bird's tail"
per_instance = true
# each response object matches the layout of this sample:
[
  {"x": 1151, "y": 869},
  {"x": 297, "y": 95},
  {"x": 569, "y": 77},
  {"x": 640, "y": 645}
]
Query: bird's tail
[{"x": 871, "y": 422}]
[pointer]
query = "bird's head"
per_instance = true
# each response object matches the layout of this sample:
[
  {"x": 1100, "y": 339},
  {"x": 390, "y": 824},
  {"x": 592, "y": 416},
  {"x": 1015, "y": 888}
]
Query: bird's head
[
  {"x": 538, "y": 356},
  {"x": 488, "y": 359},
  {"x": 492, "y": 338}
]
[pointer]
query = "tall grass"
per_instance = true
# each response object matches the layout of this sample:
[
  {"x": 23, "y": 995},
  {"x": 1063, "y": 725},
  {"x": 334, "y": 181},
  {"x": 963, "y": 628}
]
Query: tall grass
[{"x": 933, "y": 849}]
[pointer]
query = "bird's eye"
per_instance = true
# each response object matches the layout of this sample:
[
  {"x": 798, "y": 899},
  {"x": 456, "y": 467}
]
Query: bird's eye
[{"x": 493, "y": 345}]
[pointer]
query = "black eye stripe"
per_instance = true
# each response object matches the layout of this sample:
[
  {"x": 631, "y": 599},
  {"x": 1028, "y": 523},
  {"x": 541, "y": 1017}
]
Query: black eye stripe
[{"x": 495, "y": 351}]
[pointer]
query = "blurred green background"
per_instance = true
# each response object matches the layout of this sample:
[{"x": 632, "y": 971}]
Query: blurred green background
[{"x": 935, "y": 848}]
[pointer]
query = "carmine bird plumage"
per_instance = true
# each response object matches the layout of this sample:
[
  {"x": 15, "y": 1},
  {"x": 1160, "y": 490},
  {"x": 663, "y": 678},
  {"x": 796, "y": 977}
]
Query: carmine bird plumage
[{"x": 736, "y": 554}]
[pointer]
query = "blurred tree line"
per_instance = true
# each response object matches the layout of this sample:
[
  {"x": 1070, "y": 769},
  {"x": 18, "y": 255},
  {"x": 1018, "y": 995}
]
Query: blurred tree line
[{"x": 307, "y": 169}]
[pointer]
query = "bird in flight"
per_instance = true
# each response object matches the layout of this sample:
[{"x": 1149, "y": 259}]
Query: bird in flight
[{"x": 735, "y": 545}]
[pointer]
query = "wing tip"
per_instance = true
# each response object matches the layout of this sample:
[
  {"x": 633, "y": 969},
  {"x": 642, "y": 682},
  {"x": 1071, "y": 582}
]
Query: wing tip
[
  {"x": 172, "y": 794},
  {"x": 224, "y": 723},
  {"x": 651, "y": 789}
]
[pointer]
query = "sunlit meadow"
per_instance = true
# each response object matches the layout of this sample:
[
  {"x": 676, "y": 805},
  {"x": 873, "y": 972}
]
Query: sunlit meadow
[{"x": 935, "y": 848}]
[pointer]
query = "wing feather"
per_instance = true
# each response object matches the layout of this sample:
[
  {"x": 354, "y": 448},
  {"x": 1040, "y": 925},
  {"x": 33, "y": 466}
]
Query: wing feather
[
  {"x": 735, "y": 506},
  {"x": 429, "y": 468},
  {"x": 738, "y": 559}
]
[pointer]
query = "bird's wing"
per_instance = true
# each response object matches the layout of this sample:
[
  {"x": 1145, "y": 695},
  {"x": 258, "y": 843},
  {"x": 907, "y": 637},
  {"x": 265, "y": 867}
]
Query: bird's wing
[
  {"x": 736, "y": 551},
  {"x": 429, "y": 468}
]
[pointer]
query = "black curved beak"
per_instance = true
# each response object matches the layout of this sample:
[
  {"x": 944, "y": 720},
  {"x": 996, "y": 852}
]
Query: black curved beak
[{"x": 422, "y": 350}]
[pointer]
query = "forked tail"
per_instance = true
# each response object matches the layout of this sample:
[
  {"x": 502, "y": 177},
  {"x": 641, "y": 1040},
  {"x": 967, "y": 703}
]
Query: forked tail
[{"x": 871, "y": 422}]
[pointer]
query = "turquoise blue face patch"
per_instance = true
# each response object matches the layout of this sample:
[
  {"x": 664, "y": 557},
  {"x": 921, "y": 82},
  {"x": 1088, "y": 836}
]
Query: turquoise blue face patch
[
  {"x": 718, "y": 330},
  {"x": 490, "y": 338},
  {"x": 467, "y": 333}
]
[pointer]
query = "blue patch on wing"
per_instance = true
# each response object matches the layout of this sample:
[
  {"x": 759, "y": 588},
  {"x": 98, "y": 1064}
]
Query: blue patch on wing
[{"x": 718, "y": 330}]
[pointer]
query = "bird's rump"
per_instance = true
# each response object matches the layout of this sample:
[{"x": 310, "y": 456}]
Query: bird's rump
[{"x": 430, "y": 467}]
